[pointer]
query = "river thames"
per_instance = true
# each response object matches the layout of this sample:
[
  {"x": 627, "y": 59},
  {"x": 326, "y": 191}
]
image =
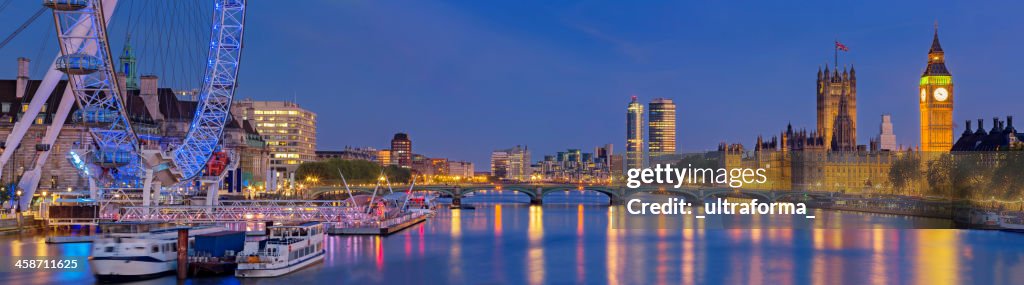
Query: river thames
[{"x": 568, "y": 242}]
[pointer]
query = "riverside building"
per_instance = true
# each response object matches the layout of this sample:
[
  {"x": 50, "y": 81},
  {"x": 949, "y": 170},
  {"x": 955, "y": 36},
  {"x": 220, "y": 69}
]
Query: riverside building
[{"x": 288, "y": 129}]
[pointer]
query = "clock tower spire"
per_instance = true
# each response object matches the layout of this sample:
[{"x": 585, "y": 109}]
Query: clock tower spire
[{"x": 936, "y": 101}]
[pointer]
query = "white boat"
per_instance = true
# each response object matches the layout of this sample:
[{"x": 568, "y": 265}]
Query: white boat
[
  {"x": 286, "y": 249},
  {"x": 976, "y": 218},
  {"x": 139, "y": 255},
  {"x": 1011, "y": 222}
]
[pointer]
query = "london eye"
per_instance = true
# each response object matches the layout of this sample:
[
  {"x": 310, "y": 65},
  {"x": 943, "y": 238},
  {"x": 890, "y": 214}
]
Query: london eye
[{"x": 117, "y": 154}]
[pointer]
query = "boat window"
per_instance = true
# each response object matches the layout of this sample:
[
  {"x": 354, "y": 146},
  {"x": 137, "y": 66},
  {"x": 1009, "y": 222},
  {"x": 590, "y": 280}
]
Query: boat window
[
  {"x": 156, "y": 249},
  {"x": 109, "y": 249}
]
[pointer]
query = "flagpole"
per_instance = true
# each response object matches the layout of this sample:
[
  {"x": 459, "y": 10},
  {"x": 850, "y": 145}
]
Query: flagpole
[{"x": 835, "y": 48}]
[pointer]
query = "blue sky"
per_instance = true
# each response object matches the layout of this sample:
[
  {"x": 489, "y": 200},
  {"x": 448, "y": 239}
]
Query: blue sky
[{"x": 466, "y": 77}]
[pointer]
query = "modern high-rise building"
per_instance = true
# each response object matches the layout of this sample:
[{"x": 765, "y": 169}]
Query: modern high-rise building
[
  {"x": 661, "y": 127},
  {"x": 936, "y": 101},
  {"x": 401, "y": 150},
  {"x": 634, "y": 134},
  {"x": 886, "y": 137},
  {"x": 289, "y": 131},
  {"x": 511, "y": 164},
  {"x": 833, "y": 87},
  {"x": 384, "y": 157},
  {"x": 603, "y": 153}
]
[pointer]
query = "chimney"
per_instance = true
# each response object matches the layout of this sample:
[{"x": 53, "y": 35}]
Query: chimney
[
  {"x": 122, "y": 83},
  {"x": 149, "y": 84},
  {"x": 981, "y": 127},
  {"x": 995, "y": 125},
  {"x": 1009, "y": 122},
  {"x": 148, "y": 92},
  {"x": 22, "y": 84},
  {"x": 968, "y": 130}
]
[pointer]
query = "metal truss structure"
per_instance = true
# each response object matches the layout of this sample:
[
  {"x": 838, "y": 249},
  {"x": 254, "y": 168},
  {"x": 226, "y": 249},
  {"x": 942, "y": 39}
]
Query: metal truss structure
[
  {"x": 247, "y": 211},
  {"x": 218, "y": 88},
  {"x": 87, "y": 61}
]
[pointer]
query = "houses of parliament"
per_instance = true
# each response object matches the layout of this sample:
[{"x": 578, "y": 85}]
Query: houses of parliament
[{"x": 827, "y": 157}]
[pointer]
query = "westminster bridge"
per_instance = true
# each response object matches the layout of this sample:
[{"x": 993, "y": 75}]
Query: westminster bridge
[{"x": 617, "y": 194}]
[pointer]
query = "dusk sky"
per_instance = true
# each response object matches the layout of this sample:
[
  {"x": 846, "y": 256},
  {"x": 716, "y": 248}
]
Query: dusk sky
[{"x": 464, "y": 78}]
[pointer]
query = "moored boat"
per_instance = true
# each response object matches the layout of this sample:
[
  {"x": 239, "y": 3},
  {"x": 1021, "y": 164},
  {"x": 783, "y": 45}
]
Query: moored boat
[
  {"x": 286, "y": 249},
  {"x": 120, "y": 256},
  {"x": 1012, "y": 222}
]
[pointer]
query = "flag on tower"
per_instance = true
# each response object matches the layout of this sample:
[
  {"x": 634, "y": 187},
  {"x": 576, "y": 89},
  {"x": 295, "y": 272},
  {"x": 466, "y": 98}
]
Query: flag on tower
[{"x": 841, "y": 46}]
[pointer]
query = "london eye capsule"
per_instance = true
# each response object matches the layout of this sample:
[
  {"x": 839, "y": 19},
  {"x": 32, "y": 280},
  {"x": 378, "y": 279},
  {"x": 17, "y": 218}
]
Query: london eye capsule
[
  {"x": 232, "y": 3},
  {"x": 66, "y": 5},
  {"x": 78, "y": 64},
  {"x": 109, "y": 158},
  {"x": 94, "y": 116}
]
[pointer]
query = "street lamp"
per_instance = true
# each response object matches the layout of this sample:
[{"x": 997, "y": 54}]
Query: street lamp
[{"x": 18, "y": 194}]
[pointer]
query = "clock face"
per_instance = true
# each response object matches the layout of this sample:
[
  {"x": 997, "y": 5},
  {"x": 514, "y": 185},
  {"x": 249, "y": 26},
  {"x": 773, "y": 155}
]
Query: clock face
[
  {"x": 941, "y": 94},
  {"x": 924, "y": 95}
]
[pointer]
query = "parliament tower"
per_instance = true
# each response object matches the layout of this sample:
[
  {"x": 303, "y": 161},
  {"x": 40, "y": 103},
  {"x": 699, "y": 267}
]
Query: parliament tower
[
  {"x": 936, "y": 101},
  {"x": 833, "y": 89}
]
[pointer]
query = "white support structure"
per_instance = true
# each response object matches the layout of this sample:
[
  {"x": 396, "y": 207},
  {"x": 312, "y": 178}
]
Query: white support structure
[
  {"x": 212, "y": 190},
  {"x": 93, "y": 190},
  {"x": 147, "y": 189},
  {"x": 30, "y": 181}
]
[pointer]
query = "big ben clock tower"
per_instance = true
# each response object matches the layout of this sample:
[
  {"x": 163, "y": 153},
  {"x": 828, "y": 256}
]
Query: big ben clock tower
[{"x": 936, "y": 97}]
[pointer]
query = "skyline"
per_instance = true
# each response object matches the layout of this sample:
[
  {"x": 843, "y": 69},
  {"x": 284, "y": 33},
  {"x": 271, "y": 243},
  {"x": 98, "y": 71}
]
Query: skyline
[{"x": 498, "y": 78}]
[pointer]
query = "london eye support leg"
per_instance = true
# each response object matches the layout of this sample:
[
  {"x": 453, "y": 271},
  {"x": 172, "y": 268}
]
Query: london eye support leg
[{"x": 147, "y": 189}]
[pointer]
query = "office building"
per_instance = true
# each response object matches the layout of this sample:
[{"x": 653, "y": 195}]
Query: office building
[
  {"x": 401, "y": 150},
  {"x": 661, "y": 127},
  {"x": 511, "y": 164},
  {"x": 634, "y": 134},
  {"x": 288, "y": 129}
]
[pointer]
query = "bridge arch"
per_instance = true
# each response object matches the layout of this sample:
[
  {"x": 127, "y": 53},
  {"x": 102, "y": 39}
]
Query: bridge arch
[
  {"x": 689, "y": 194},
  {"x": 766, "y": 196},
  {"x": 529, "y": 192},
  {"x": 612, "y": 194}
]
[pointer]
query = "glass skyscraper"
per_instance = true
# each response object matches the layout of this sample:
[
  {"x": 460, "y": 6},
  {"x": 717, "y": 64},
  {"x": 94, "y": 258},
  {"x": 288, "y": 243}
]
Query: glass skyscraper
[
  {"x": 634, "y": 134},
  {"x": 661, "y": 127}
]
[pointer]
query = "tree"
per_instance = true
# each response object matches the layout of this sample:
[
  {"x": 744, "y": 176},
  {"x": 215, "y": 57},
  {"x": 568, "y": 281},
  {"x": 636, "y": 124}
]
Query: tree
[
  {"x": 940, "y": 176},
  {"x": 1006, "y": 178},
  {"x": 356, "y": 171},
  {"x": 905, "y": 171}
]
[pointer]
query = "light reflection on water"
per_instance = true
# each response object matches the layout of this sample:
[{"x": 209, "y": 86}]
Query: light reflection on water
[{"x": 569, "y": 243}]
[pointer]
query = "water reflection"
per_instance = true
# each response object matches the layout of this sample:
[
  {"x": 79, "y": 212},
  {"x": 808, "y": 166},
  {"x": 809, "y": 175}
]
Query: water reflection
[
  {"x": 574, "y": 244},
  {"x": 535, "y": 252}
]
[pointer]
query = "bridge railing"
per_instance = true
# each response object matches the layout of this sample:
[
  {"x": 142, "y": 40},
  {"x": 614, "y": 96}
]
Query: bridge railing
[{"x": 286, "y": 212}]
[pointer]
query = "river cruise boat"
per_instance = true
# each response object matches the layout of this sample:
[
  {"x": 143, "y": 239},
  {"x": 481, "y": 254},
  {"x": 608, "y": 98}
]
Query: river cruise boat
[
  {"x": 976, "y": 218},
  {"x": 1013, "y": 222},
  {"x": 129, "y": 252},
  {"x": 285, "y": 249}
]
